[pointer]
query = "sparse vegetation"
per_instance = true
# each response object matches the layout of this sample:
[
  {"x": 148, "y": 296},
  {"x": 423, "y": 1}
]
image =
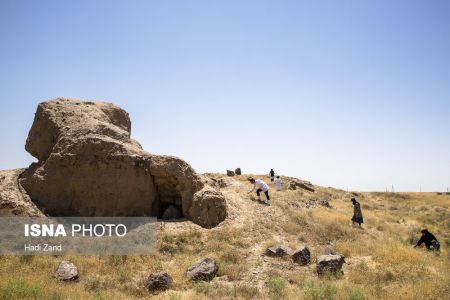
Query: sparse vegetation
[
  {"x": 276, "y": 287},
  {"x": 21, "y": 289},
  {"x": 381, "y": 260}
]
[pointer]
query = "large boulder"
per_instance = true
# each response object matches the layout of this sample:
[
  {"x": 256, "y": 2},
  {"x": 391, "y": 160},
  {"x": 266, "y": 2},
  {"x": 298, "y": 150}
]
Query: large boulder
[
  {"x": 158, "y": 281},
  {"x": 88, "y": 165},
  {"x": 238, "y": 171},
  {"x": 204, "y": 269},
  {"x": 66, "y": 271},
  {"x": 329, "y": 264},
  {"x": 208, "y": 207},
  {"x": 302, "y": 256}
]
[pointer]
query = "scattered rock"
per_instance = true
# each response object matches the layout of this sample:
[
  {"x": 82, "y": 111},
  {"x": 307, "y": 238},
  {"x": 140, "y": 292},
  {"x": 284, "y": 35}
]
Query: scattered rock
[
  {"x": 172, "y": 213},
  {"x": 292, "y": 186},
  {"x": 324, "y": 202},
  {"x": 328, "y": 250},
  {"x": 238, "y": 171},
  {"x": 230, "y": 173},
  {"x": 329, "y": 264},
  {"x": 204, "y": 269},
  {"x": 222, "y": 183},
  {"x": 309, "y": 203},
  {"x": 306, "y": 185},
  {"x": 66, "y": 271},
  {"x": 159, "y": 281},
  {"x": 278, "y": 251},
  {"x": 302, "y": 256}
]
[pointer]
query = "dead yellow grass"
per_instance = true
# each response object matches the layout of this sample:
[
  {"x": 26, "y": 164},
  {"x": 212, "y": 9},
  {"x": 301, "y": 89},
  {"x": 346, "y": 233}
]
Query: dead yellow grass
[{"x": 382, "y": 264}]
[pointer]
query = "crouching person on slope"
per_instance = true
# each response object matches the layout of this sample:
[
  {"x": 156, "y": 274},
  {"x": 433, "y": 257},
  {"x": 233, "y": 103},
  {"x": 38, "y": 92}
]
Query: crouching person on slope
[
  {"x": 260, "y": 186},
  {"x": 429, "y": 240}
]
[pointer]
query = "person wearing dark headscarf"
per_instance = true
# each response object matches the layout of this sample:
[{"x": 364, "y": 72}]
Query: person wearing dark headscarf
[
  {"x": 357, "y": 213},
  {"x": 429, "y": 240},
  {"x": 272, "y": 175}
]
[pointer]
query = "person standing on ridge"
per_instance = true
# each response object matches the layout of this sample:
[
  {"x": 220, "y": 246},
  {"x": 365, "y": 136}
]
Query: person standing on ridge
[
  {"x": 260, "y": 186},
  {"x": 357, "y": 213},
  {"x": 429, "y": 240},
  {"x": 278, "y": 182},
  {"x": 272, "y": 174}
]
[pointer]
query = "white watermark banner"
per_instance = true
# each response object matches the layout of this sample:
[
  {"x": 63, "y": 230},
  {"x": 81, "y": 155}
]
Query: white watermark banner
[{"x": 78, "y": 235}]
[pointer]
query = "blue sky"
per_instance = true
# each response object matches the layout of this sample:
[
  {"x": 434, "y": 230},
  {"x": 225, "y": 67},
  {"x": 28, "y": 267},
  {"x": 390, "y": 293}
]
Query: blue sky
[{"x": 350, "y": 94}]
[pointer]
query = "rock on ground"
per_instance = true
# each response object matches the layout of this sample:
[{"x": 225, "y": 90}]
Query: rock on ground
[
  {"x": 224, "y": 182},
  {"x": 309, "y": 203},
  {"x": 292, "y": 186},
  {"x": 230, "y": 173},
  {"x": 204, "y": 269},
  {"x": 302, "y": 256},
  {"x": 88, "y": 165},
  {"x": 208, "y": 207},
  {"x": 306, "y": 185},
  {"x": 278, "y": 251},
  {"x": 238, "y": 171},
  {"x": 66, "y": 271},
  {"x": 329, "y": 264},
  {"x": 328, "y": 250},
  {"x": 159, "y": 281}
]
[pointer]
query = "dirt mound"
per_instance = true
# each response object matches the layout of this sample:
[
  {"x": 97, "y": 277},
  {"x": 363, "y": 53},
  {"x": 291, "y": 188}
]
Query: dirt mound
[{"x": 89, "y": 166}]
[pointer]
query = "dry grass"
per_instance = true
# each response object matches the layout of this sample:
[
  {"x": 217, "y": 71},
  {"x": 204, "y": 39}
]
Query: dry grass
[{"x": 381, "y": 262}]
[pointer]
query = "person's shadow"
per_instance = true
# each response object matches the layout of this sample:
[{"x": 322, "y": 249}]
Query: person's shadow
[{"x": 254, "y": 199}]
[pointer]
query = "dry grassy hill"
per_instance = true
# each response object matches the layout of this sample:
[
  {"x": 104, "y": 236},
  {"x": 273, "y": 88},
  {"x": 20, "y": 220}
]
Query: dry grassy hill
[{"x": 381, "y": 262}]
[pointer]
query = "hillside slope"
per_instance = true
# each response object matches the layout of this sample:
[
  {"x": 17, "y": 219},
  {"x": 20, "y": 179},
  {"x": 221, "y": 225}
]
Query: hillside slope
[{"x": 381, "y": 262}]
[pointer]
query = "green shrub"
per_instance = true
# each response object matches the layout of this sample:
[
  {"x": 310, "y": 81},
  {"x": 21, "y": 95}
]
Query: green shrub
[
  {"x": 20, "y": 289},
  {"x": 117, "y": 260},
  {"x": 26, "y": 259},
  {"x": 94, "y": 283},
  {"x": 174, "y": 295},
  {"x": 276, "y": 287},
  {"x": 56, "y": 296},
  {"x": 122, "y": 275},
  {"x": 202, "y": 287},
  {"x": 318, "y": 291},
  {"x": 244, "y": 291},
  {"x": 354, "y": 294},
  {"x": 300, "y": 219}
]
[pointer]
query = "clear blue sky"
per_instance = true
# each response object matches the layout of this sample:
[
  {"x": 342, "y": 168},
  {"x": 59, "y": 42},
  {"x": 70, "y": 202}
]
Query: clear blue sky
[{"x": 351, "y": 94}]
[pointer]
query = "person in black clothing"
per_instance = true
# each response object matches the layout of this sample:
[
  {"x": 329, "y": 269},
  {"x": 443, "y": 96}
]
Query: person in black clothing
[
  {"x": 272, "y": 174},
  {"x": 357, "y": 213},
  {"x": 429, "y": 239}
]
